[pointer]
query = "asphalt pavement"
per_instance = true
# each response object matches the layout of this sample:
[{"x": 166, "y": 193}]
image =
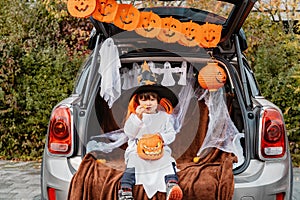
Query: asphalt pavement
[{"x": 21, "y": 181}]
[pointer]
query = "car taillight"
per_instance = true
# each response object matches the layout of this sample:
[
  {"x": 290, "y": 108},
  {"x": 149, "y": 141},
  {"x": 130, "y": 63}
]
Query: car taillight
[
  {"x": 273, "y": 144},
  {"x": 60, "y": 133},
  {"x": 51, "y": 194}
]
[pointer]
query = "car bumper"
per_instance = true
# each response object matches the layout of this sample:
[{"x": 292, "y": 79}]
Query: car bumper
[
  {"x": 264, "y": 180},
  {"x": 261, "y": 180},
  {"x": 56, "y": 174}
]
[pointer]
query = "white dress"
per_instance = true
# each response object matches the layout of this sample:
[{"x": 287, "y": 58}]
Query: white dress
[{"x": 150, "y": 173}]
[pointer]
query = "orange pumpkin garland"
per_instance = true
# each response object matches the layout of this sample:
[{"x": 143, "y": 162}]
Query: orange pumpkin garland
[
  {"x": 81, "y": 8},
  {"x": 212, "y": 77},
  {"x": 149, "y": 25},
  {"x": 106, "y": 10},
  {"x": 127, "y": 17},
  {"x": 190, "y": 34},
  {"x": 170, "y": 30},
  {"x": 210, "y": 35}
]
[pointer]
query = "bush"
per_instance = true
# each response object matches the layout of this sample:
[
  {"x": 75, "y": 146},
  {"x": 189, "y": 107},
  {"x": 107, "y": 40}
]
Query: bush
[{"x": 38, "y": 67}]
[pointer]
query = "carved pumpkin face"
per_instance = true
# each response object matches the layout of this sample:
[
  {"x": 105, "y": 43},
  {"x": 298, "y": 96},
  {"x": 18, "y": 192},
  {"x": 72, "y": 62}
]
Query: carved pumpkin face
[
  {"x": 149, "y": 25},
  {"x": 212, "y": 77},
  {"x": 106, "y": 10},
  {"x": 170, "y": 30},
  {"x": 127, "y": 17},
  {"x": 190, "y": 34},
  {"x": 81, "y": 8},
  {"x": 210, "y": 35},
  {"x": 150, "y": 147}
]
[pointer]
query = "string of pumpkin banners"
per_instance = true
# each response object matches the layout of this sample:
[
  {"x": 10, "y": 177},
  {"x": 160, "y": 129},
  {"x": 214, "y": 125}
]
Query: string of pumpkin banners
[{"x": 147, "y": 24}]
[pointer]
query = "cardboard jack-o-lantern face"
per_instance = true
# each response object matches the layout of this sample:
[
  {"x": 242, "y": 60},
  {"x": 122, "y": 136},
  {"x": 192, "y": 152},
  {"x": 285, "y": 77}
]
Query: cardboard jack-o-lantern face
[
  {"x": 210, "y": 35},
  {"x": 212, "y": 77},
  {"x": 150, "y": 147},
  {"x": 170, "y": 30},
  {"x": 127, "y": 17},
  {"x": 190, "y": 34},
  {"x": 81, "y": 8},
  {"x": 149, "y": 25},
  {"x": 106, "y": 10}
]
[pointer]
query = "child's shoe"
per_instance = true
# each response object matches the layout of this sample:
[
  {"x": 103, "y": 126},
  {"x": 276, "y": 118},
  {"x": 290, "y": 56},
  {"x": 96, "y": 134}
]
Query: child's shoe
[
  {"x": 125, "y": 195},
  {"x": 174, "y": 192}
]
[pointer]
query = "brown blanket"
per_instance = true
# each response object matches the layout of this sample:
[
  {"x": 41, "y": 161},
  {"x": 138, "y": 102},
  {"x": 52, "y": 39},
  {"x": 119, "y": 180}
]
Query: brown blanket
[{"x": 210, "y": 179}]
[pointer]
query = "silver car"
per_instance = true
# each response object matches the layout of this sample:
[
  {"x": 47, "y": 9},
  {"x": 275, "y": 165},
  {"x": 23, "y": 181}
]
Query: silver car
[{"x": 262, "y": 169}]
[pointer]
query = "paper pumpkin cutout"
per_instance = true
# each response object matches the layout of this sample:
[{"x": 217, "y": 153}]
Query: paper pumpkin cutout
[
  {"x": 150, "y": 147},
  {"x": 106, "y": 10},
  {"x": 149, "y": 25},
  {"x": 190, "y": 34},
  {"x": 212, "y": 77},
  {"x": 170, "y": 30},
  {"x": 127, "y": 17},
  {"x": 81, "y": 8},
  {"x": 210, "y": 35}
]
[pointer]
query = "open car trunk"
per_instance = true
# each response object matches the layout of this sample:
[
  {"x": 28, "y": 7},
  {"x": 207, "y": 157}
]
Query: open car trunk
[{"x": 215, "y": 112}]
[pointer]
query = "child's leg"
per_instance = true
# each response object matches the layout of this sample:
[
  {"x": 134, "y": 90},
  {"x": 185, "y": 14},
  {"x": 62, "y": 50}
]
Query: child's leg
[
  {"x": 127, "y": 183},
  {"x": 128, "y": 179},
  {"x": 174, "y": 192}
]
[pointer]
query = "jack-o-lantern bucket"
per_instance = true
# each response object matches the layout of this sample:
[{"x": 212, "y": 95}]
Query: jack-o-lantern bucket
[
  {"x": 81, "y": 8},
  {"x": 150, "y": 147},
  {"x": 212, "y": 77}
]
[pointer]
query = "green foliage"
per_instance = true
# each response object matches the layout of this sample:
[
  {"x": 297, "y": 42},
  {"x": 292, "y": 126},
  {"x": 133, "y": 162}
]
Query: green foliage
[
  {"x": 39, "y": 62},
  {"x": 41, "y": 48}
]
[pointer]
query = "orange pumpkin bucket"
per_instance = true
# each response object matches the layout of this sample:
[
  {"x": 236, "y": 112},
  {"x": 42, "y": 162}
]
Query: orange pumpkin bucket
[
  {"x": 150, "y": 147},
  {"x": 212, "y": 77}
]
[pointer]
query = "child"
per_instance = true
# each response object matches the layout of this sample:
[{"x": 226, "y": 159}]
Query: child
[{"x": 149, "y": 113}]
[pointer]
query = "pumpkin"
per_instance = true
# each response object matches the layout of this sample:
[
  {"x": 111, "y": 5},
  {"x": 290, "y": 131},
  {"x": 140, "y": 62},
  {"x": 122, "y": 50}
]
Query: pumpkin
[
  {"x": 150, "y": 147},
  {"x": 190, "y": 34},
  {"x": 170, "y": 30},
  {"x": 210, "y": 35},
  {"x": 149, "y": 25},
  {"x": 106, "y": 10},
  {"x": 81, "y": 8},
  {"x": 212, "y": 77},
  {"x": 127, "y": 17}
]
